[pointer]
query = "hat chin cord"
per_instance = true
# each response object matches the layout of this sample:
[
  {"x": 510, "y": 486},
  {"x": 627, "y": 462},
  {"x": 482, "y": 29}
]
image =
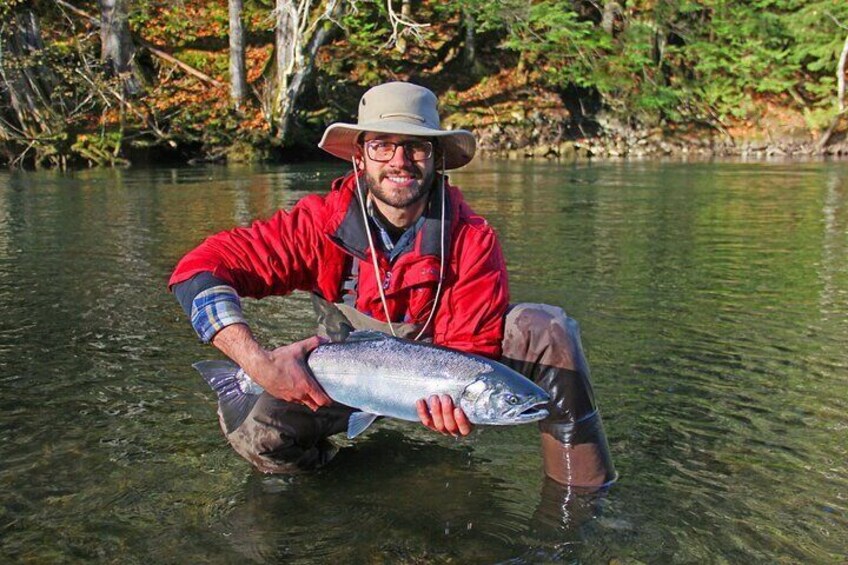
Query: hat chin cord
[{"x": 371, "y": 247}]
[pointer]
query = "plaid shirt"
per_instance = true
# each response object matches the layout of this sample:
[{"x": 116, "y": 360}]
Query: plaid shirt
[
  {"x": 214, "y": 309},
  {"x": 394, "y": 249}
]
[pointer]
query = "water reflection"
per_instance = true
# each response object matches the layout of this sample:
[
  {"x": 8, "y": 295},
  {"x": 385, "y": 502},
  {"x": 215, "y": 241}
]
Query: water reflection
[
  {"x": 457, "y": 512},
  {"x": 712, "y": 301}
]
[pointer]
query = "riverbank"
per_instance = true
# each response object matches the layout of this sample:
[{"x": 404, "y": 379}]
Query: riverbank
[
  {"x": 542, "y": 128},
  {"x": 511, "y": 78},
  {"x": 510, "y": 142},
  {"x": 515, "y": 120},
  {"x": 521, "y": 128},
  {"x": 651, "y": 144},
  {"x": 543, "y": 137}
]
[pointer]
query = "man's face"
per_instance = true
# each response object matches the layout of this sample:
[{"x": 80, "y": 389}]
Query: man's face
[{"x": 401, "y": 181}]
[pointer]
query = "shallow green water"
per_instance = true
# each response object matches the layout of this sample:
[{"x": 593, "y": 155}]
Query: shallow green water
[{"x": 713, "y": 300}]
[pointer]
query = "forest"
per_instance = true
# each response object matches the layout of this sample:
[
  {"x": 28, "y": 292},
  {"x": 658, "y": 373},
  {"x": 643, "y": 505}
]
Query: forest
[{"x": 119, "y": 82}]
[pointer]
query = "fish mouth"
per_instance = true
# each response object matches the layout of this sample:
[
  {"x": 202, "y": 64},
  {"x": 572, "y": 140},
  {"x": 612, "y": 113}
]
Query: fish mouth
[{"x": 532, "y": 413}]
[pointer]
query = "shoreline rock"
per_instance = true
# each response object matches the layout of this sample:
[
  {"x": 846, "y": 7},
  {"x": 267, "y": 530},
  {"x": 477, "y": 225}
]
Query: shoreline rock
[
  {"x": 500, "y": 142},
  {"x": 541, "y": 139}
]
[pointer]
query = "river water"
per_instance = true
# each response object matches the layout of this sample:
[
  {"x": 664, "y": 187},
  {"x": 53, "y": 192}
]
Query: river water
[{"x": 713, "y": 300}]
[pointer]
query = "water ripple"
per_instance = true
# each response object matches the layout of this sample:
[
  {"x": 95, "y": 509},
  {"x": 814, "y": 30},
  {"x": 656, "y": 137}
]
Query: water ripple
[{"x": 712, "y": 299}]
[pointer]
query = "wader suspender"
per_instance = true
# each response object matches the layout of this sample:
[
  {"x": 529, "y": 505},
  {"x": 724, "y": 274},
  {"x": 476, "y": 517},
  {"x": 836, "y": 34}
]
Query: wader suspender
[{"x": 350, "y": 281}]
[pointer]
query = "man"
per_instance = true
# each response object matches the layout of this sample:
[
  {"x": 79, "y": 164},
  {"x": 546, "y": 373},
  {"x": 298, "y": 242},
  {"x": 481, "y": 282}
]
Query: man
[{"x": 397, "y": 249}]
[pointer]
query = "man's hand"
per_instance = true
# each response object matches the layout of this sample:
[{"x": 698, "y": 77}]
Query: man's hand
[
  {"x": 282, "y": 372},
  {"x": 440, "y": 415}
]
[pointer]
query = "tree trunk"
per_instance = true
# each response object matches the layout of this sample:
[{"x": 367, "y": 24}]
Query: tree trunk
[
  {"x": 406, "y": 15},
  {"x": 469, "y": 50},
  {"x": 840, "y": 97},
  {"x": 300, "y": 78},
  {"x": 116, "y": 46},
  {"x": 238, "y": 80},
  {"x": 28, "y": 95},
  {"x": 610, "y": 11},
  {"x": 295, "y": 57},
  {"x": 285, "y": 38},
  {"x": 840, "y": 77}
]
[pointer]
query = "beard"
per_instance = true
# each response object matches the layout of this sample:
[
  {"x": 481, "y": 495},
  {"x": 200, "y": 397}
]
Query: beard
[{"x": 407, "y": 196}]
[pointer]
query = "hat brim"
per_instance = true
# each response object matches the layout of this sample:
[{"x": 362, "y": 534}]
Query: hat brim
[{"x": 458, "y": 145}]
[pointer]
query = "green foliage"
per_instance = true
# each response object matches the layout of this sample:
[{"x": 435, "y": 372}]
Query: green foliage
[
  {"x": 820, "y": 29},
  {"x": 650, "y": 62},
  {"x": 741, "y": 52},
  {"x": 205, "y": 61},
  {"x": 368, "y": 55},
  {"x": 553, "y": 33},
  {"x": 365, "y": 26},
  {"x": 675, "y": 59},
  {"x": 818, "y": 119},
  {"x": 491, "y": 16},
  {"x": 100, "y": 149}
]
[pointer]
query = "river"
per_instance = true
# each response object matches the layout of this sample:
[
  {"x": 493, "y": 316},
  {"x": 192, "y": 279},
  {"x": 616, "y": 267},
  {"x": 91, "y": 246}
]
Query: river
[{"x": 713, "y": 301}]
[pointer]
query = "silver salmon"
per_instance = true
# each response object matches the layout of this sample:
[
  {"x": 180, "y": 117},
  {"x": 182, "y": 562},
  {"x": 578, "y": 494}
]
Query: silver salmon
[{"x": 380, "y": 375}]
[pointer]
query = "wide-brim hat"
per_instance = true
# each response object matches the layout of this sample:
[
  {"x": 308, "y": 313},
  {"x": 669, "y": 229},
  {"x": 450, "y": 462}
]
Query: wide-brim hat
[{"x": 400, "y": 108}]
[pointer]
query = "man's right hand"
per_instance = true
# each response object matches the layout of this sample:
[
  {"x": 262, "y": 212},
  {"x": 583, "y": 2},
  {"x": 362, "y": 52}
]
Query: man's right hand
[
  {"x": 282, "y": 372},
  {"x": 285, "y": 375}
]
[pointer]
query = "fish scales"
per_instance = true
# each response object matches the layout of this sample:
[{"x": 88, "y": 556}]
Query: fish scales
[{"x": 387, "y": 376}]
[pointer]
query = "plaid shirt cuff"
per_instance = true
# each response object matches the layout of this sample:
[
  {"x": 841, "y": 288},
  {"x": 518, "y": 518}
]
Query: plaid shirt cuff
[{"x": 214, "y": 309}]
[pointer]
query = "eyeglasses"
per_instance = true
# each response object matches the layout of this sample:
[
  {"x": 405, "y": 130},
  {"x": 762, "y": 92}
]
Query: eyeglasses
[{"x": 383, "y": 151}]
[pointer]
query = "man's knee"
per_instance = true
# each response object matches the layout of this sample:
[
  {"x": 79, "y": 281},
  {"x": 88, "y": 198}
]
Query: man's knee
[
  {"x": 543, "y": 334},
  {"x": 543, "y": 343},
  {"x": 283, "y": 437}
]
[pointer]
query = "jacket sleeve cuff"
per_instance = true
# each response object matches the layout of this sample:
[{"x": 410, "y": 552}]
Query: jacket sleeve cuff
[{"x": 214, "y": 309}]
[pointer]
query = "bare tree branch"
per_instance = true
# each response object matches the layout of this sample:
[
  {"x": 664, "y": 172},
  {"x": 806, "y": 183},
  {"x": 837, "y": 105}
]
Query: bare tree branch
[
  {"x": 840, "y": 92},
  {"x": 402, "y": 24},
  {"x": 840, "y": 76}
]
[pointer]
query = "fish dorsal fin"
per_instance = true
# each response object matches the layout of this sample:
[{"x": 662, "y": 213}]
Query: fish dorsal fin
[
  {"x": 331, "y": 319},
  {"x": 366, "y": 335},
  {"x": 359, "y": 422}
]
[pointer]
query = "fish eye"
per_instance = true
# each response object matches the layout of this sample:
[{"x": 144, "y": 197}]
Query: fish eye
[{"x": 512, "y": 400}]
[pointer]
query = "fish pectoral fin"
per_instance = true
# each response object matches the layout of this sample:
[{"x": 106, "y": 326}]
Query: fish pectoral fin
[{"x": 359, "y": 422}]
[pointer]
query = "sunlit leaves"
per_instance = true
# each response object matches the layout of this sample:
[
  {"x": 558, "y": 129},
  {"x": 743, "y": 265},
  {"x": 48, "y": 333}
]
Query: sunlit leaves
[{"x": 676, "y": 59}]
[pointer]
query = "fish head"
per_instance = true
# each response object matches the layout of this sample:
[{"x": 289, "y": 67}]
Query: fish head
[{"x": 503, "y": 399}]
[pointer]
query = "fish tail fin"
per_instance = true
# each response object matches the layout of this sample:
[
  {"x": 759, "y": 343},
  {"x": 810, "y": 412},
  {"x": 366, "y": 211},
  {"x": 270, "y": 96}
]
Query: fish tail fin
[
  {"x": 220, "y": 375},
  {"x": 234, "y": 404}
]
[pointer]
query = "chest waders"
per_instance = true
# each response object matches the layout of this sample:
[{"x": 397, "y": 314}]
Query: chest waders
[{"x": 540, "y": 341}]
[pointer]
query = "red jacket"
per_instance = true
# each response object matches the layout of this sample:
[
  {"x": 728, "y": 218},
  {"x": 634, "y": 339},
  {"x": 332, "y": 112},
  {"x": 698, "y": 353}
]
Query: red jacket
[{"x": 307, "y": 249}]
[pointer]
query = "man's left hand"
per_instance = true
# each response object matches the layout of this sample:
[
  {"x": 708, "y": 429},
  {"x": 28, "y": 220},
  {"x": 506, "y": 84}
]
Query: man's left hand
[{"x": 440, "y": 415}]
